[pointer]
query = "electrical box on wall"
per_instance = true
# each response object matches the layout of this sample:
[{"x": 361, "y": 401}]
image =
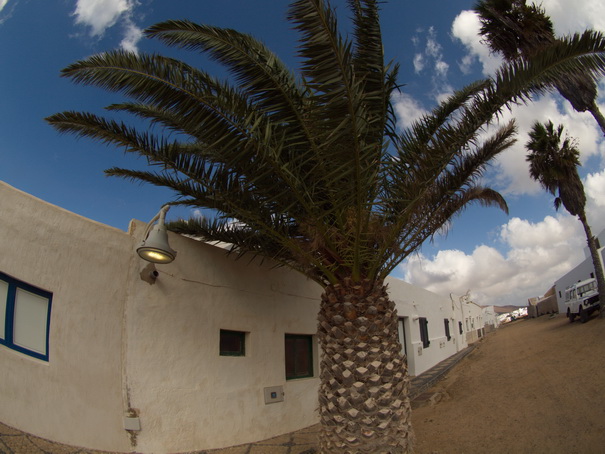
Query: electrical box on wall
[
  {"x": 274, "y": 394},
  {"x": 132, "y": 423}
]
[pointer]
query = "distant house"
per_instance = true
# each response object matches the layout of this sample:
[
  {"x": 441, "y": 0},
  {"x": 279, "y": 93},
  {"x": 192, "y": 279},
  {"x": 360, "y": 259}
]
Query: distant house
[
  {"x": 543, "y": 305},
  {"x": 584, "y": 270},
  {"x": 490, "y": 318},
  {"x": 102, "y": 350},
  {"x": 472, "y": 315}
]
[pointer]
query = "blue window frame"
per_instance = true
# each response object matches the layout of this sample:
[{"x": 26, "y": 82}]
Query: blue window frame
[{"x": 24, "y": 317}]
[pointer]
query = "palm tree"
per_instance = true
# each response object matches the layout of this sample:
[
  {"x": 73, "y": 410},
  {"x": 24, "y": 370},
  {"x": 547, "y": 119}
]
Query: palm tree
[
  {"x": 316, "y": 176},
  {"x": 555, "y": 166},
  {"x": 515, "y": 29}
]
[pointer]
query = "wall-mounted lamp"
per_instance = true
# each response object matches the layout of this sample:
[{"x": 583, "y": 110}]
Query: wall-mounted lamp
[{"x": 154, "y": 247}]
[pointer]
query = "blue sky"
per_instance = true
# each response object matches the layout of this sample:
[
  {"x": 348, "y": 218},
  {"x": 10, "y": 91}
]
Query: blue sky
[{"x": 501, "y": 259}]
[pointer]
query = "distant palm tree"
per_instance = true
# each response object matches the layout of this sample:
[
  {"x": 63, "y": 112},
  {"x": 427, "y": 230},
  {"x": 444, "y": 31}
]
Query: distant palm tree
[
  {"x": 316, "y": 176},
  {"x": 515, "y": 29},
  {"x": 554, "y": 164}
]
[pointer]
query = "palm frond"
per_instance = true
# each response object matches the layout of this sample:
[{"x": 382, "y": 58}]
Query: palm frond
[
  {"x": 261, "y": 74},
  {"x": 578, "y": 55}
]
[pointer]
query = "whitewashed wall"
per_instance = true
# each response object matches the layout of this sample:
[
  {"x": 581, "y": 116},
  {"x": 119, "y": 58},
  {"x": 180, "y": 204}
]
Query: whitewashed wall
[
  {"x": 189, "y": 397},
  {"x": 472, "y": 321},
  {"x": 414, "y": 302},
  {"x": 124, "y": 344},
  {"x": 75, "y": 397},
  {"x": 490, "y": 318}
]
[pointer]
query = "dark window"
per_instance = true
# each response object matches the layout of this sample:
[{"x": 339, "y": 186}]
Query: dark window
[
  {"x": 446, "y": 322},
  {"x": 460, "y": 327},
  {"x": 592, "y": 275},
  {"x": 233, "y": 343},
  {"x": 299, "y": 356},
  {"x": 424, "y": 332},
  {"x": 24, "y": 317}
]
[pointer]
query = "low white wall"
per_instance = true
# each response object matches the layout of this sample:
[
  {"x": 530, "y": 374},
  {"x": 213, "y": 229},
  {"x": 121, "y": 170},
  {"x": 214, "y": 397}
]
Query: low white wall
[
  {"x": 75, "y": 397},
  {"x": 187, "y": 395}
]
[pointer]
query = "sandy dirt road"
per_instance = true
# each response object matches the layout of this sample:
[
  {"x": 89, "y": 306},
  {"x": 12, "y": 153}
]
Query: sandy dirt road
[{"x": 534, "y": 386}]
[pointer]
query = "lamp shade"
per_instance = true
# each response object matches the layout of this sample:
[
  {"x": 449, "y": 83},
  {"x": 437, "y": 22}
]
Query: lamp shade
[{"x": 155, "y": 248}]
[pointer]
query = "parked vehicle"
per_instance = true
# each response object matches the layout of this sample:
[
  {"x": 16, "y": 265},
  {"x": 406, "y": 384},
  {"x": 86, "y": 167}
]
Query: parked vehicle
[{"x": 582, "y": 299}]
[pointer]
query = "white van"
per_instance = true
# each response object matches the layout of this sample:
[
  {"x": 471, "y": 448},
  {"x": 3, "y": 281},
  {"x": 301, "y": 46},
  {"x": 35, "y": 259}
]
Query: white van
[{"x": 582, "y": 299}]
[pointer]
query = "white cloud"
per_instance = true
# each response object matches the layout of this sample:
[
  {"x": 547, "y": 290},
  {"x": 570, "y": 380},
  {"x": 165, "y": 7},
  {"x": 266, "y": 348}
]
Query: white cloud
[
  {"x": 132, "y": 36},
  {"x": 407, "y": 109},
  {"x": 466, "y": 28},
  {"x": 7, "y": 9},
  {"x": 568, "y": 16},
  {"x": 594, "y": 186},
  {"x": 441, "y": 68},
  {"x": 429, "y": 57},
  {"x": 537, "y": 254},
  {"x": 418, "y": 63},
  {"x": 100, "y": 15},
  {"x": 434, "y": 51}
]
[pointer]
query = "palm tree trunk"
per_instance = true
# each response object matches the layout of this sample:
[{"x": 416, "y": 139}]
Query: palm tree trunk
[
  {"x": 596, "y": 262},
  {"x": 364, "y": 392},
  {"x": 596, "y": 113}
]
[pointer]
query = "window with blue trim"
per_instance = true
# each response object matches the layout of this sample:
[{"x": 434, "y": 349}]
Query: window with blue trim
[{"x": 24, "y": 317}]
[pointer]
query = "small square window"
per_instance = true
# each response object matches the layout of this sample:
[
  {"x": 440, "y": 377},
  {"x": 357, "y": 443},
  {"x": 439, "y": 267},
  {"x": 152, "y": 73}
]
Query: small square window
[
  {"x": 232, "y": 343},
  {"x": 299, "y": 356}
]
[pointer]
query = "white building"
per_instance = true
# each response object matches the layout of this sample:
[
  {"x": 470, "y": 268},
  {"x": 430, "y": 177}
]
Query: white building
[
  {"x": 472, "y": 315},
  {"x": 490, "y": 318},
  {"x": 584, "y": 270},
  {"x": 96, "y": 351}
]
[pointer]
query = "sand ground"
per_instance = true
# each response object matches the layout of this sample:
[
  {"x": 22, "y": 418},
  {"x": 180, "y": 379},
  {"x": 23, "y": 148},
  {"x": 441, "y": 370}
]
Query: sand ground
[{"x": 533, "y": 386}]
